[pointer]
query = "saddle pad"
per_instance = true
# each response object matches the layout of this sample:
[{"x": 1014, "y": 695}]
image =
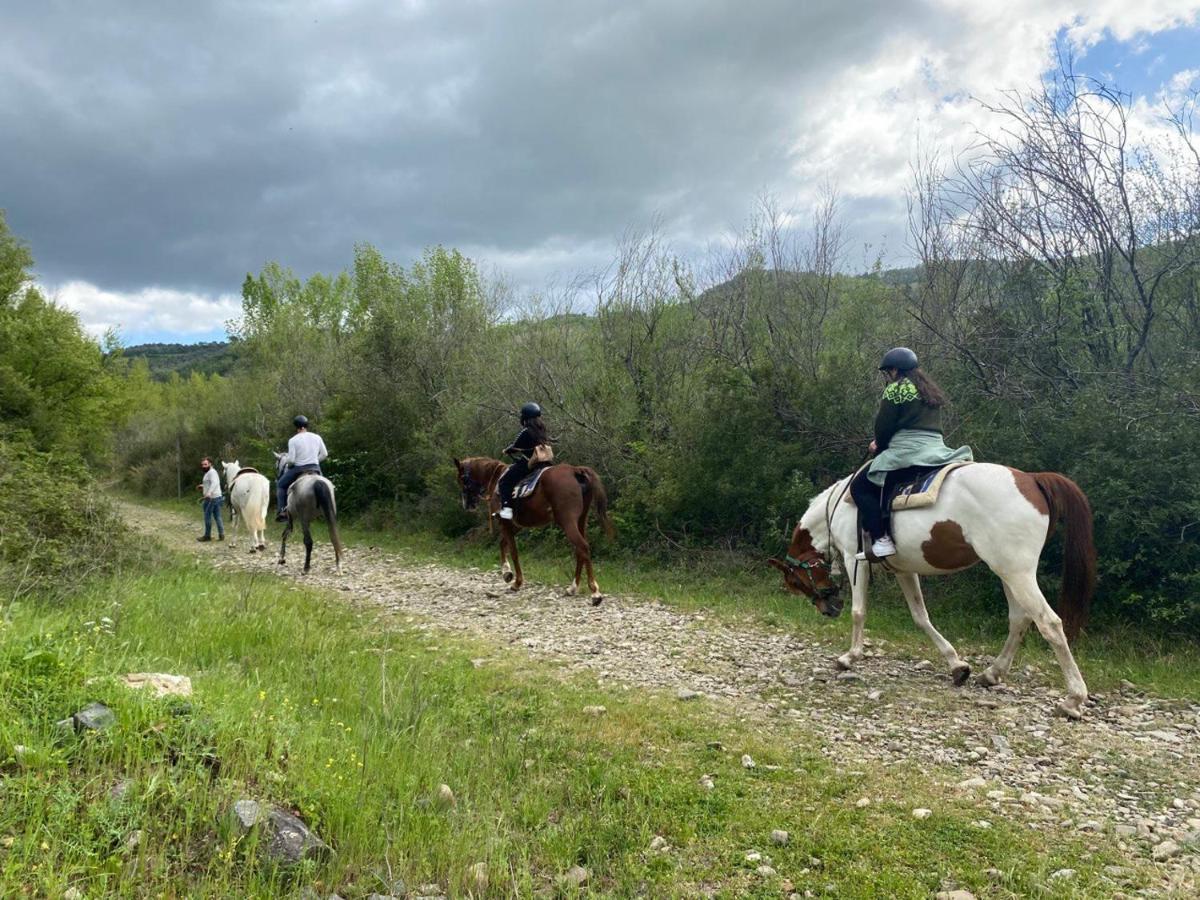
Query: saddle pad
[
  {"x": 924, "y": 491},
  {"x": 528, "y": 484}
]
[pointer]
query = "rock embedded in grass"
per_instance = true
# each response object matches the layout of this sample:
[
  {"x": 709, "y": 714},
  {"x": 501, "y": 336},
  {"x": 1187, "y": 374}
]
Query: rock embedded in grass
[
  {"x": 922, "y": 813},
  {"x": 576, "y": 876},
  {"x": 594, "y": 710},
  {"x": 477, "y": 877},
  {"x": 446, "y": 796},
  {"x": 659, "y": 844},
  {"x": 780, "y": 838},
  {"x": 1166, "y": 850},
  {"x": 687, "y": 694},
  {"x": 288, "y": 840},
  {"x": 94, "y": 717},
  {"x": 747, "y": 761},
  {"x": 955, "y": 895}
]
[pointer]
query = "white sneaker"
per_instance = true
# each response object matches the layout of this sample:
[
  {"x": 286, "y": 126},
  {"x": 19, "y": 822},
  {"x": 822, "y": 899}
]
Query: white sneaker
[
  {"x": 883, "y": 547},
  {"x": 506, "y": 514}
]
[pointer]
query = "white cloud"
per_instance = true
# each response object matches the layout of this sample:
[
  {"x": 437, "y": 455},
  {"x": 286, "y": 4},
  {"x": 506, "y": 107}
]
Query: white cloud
[{"x": 149, "y": 311}]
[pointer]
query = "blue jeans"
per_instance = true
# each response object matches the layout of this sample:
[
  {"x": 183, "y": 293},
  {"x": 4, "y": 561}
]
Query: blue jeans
[
  {"x": 212, "y": 510},
  {"x": 285, "y": 481}
]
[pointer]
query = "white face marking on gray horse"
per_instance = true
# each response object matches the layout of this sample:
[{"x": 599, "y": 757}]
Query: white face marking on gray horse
[{"x": 985, "y": 513}]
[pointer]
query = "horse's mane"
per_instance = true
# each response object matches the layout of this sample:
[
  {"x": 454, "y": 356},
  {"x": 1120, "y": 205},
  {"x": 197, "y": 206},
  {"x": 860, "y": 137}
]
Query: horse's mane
[{"x": 484, "y": 469}]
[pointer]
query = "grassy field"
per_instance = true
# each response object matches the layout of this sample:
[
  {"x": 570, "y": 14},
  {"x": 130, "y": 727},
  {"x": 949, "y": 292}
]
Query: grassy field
[{"x": 354, "y": 721}]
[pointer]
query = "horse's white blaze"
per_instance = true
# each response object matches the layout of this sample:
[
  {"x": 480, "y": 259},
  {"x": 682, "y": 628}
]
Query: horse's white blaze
[
  {"x": 250, "y": 496},
  {"x": 1003, "y": 528}
]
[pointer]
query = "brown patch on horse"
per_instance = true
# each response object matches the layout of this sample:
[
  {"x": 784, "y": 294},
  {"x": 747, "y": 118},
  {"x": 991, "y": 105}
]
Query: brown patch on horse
[
  {"x": 1028, "y": 486},
  {"x": 801, "y": 544},
  {"x": 947, "y": 548}
]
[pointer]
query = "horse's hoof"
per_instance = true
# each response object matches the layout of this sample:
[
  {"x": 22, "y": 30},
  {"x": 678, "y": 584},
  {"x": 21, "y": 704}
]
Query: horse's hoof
[
  {"x": 508, "y": 576},
  {"x": 597, "y": 599},
  {"x": 1069, "y": 708},
  {"x": 988, "y": 679},
  {"x": 282, "y": 563},
  {"x": 572, "y": 591},
  {"x": 960, "y": 674},
  {"x": 843, "y": 663}
]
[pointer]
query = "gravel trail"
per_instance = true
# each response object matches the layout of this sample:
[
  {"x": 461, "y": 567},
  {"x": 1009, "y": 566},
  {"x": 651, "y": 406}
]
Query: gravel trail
[{"x": 1130, "y": 769}]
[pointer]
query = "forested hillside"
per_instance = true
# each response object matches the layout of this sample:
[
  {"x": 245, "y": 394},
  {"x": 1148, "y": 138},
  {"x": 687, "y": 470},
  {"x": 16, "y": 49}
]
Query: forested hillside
[{"x": 208, "y": 358}]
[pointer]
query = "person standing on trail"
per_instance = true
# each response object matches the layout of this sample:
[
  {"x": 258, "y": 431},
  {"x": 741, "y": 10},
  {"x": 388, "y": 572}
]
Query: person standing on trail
[
  {"x": 304, "y": 454},
  {"x": 211, "y": 498},
  {"x": 523, "y": 450}
]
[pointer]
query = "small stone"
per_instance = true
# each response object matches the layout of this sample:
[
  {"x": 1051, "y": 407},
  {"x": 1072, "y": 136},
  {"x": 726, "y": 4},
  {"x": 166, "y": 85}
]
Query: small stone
[
  {"x": 477, "y": 876},
  {"x": 446, "y": 796},
  {"x": 863, "y": 802},
  {"x": 715, "y": 745},
  {"x": 1125, "y": 830},
  {"x": 1062, "y": 875},
  {"x": 923, "y": 664},
  {"x": 780, "y": 838},
  {"x": 996, "y": 795},
  {"x": 849, "y": 676},
  {"x": 994, "y": 874},
  {"x": 753, "y": 856},
  {"x": 1000, "y": 742},
  {"x": 134, "y": 840},
  {"x": 292, "y": 841},
  {"x": 972, "y": 784},
  {"x": 72, "y": 893},
  {"x": 161, "y": 683},
  {"x": 747, "y": 761},
  {"x": 687, "y": 694},
  {"x": 594, "y": 710},
  {"x": 1166, "y": 850},
  {"x": 1091, "y": 825},
  {"x": 983, "y": 823},
  {"x": 659, "y": 844},
  {"x": 874, "y": 695},
  {"x": 399, "y": 888},
  {"x": 707, "y": 782},
  {"x": 922, "y": 813},
  {"x": 577, "y": 876},
  {"x": 766, "y": 871},
  {"x": 94, "y": 717},
  {"x": 955, "y": 895},
  {"x": 247, "y": 814}
]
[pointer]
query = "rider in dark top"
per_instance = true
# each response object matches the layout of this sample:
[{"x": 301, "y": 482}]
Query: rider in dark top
[{"x": 533, "y": 434}]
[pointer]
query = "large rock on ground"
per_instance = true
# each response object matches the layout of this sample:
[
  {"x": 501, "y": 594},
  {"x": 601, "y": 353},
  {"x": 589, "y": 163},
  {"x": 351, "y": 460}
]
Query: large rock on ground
[
  {"x": 161, "y": 683},
  {"x": 287, "y": 840}
]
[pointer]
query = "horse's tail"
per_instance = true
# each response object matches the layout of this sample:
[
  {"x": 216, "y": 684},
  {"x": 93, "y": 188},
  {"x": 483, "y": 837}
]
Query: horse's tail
[
  {"x": 1070, "y": 505},
  {"x": 590, "y": 479},
  {"x": 323, "y": 491}
]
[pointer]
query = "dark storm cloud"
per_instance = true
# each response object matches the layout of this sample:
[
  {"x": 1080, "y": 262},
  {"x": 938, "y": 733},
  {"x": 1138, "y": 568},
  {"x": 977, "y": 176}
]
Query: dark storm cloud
[{"x": 185, "y": 145}]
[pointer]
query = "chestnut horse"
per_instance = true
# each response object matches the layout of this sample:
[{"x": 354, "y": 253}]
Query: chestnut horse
[
  {"x": 563, "y": 495},
  {"x": 984, "y": 512}
]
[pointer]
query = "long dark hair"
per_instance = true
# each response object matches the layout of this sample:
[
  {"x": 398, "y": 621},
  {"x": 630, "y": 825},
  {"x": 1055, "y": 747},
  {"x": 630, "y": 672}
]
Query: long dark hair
[
  {"x": 931, "y": 394},
  {"x": 538, "y": 428}
]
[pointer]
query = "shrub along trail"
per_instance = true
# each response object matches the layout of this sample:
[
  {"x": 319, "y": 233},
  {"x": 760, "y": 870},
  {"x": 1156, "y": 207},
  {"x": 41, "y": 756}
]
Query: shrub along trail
[{"x": 1130, "y": 772}]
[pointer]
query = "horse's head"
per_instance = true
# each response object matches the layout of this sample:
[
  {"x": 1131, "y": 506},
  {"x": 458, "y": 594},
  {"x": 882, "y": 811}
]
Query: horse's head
[
  {"x": 469, "y": 485},
  {"x": 279, "y": 464},
  {"x": 807, "y": 571},
  {"x": 230, "y": 469}
]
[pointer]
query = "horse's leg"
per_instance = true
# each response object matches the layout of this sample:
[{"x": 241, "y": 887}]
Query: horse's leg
[
  {"x": 858, "y": 612},
  {"x": 308, "y": 543},
  {"x": 287, "y": 530},
  {"x": 911, "y": 586},
  {"x": 508, "y": 535},
  {"x": 1018, "y": 624},
  {"x": 583, "y": 554},
  {"x": 1026, "y": 592}
]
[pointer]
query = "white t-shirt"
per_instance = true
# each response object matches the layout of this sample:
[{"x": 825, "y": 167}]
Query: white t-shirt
[
  {"x": 212, "y": 485},
  {"x": 306, "y": 449}
]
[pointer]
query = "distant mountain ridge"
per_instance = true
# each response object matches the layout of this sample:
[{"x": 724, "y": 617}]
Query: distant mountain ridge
[{"x": 206, "y": 358}]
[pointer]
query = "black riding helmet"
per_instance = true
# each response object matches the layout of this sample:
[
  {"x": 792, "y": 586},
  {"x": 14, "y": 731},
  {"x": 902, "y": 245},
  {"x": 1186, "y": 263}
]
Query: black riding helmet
[
  {"x": 530, "y": 411},
  {"x": 300, "y": 421},
  {"x": 900, "y": 358}
]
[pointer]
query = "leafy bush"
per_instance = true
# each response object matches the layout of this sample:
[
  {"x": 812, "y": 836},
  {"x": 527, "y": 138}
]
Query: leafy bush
[{"x": 56, "y": 527}]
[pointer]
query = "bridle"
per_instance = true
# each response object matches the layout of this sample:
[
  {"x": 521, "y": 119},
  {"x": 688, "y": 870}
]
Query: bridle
[
  {"x": 472, "y": 490},
  {"x": 808, "y": 566}
]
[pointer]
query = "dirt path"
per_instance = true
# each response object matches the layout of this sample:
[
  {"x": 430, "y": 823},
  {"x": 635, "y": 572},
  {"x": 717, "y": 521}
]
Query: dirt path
[{"x": 1131, "y": 767}]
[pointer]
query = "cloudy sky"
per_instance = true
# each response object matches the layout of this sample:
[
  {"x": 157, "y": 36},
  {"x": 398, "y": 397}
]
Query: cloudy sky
[{"x": 152, "y": 154}]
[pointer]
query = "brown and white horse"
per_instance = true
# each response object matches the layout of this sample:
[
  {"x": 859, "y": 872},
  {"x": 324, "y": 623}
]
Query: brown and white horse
[
  {"x": 984, "y": 512},
  {"x": 563, "y": 495}
]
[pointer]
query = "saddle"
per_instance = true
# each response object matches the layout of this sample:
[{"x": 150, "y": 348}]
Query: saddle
[
  {"x": 921, "y": 489},
  {"x": 528, "y": 484}
]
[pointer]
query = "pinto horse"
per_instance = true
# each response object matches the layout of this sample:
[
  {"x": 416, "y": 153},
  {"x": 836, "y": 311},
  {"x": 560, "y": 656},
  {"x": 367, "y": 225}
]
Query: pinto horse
[
  {"x": 984, "y": 512},
  {"x": 563, "y": 495}
]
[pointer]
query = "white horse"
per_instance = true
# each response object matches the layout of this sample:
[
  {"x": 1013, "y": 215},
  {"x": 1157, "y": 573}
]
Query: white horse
[
  {"x": 985, "y": 512},
  {"x": 249, "y": 497}
]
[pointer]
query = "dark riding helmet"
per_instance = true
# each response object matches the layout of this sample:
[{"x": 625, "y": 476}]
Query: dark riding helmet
[
  {"x": 899, "y": 358},
  {"x": 530, "y": 411},
  {"x": 300, "y": 421}
]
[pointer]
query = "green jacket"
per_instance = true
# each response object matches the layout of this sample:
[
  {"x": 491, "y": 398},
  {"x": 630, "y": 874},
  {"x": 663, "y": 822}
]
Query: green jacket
[{"x": 902, "y": 408}]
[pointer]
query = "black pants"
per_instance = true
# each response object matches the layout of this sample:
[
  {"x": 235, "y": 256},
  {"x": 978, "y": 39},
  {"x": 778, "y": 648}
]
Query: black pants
[
  {"x": 869, "y": 500},
  {"x": 508, "y": 481}
]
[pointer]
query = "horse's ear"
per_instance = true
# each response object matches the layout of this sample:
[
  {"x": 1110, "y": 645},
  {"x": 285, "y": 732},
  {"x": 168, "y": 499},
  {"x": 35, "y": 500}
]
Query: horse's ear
[
  {"x": 457, "y": 463},
  {"x": 776, "y": 564}
]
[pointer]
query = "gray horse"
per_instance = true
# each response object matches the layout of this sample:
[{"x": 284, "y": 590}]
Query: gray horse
[{"x": 309, "y": 496}]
